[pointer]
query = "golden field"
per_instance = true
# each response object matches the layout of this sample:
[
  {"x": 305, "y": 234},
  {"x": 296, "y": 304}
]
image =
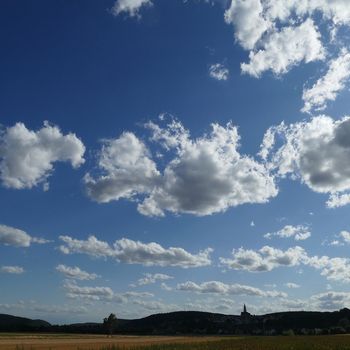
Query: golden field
[
  {"x": 14, "y": 341},
  {"x": 100, "y": 342}
]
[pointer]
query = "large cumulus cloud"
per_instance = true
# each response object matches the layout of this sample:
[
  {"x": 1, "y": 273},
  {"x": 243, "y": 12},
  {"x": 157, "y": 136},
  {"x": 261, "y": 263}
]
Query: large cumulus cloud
[
  {"x": 315, "y": 151},
  {"x": 27, "y": 157},
  {"x": 201, "y": 176}
]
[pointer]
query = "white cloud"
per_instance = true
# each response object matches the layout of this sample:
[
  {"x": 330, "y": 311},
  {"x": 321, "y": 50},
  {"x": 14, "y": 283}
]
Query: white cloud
[
  {"x": 212, "y": 304},
  {"x": 337, "y": 11},
  {"x": 98, "y": 293},
  {"x": 27, "y": 157},
  {"x": 150, "y": 278},
  {"x": 12, "y": 269},
  {"x": 136, "y": 252},
  {"x": 246, "y": 17},
  {"x": 336, "y": 243},
  {"x": 286, "y": 48},
  {"x": 39, "y": 240},
  {"x": 316, "y": 151},
  {"x": 130, "y": 7},
  {"x": 153, "y": 254},
  {"x": 14, "y": 237},
  {"x": 294, "y": 304},
  {"x": 205, "y": 176},
  {"x": 18, "y": 238},
  {"x": 92, "y": 246},
  {"x": 218, "y": 72},
  {"x": 328, "y": 87},
  {"x": 339, "y": 240},
  {"x": 164, "y": 286},
  {"x": 217, "y": 287},
  {"x": 91, "y": 293},
  {"x": 133, "y": 294},
  {"x": 335, "y": 269},
  {"x": 338, "y": 200},
  {"x": 126, "y": 170},
  {"x": 155, "y": 306},
  {"x": 171, "y": 136},
  {"x": 299, "y": 232},
  {"x": 75, "y": 273},
  {"x": 33, "y": 306},
  {"x": 268, "y": 258},
  {"x": 292, "y": 285},
  {"x": 321, "y": 301},
  {"x": 280, "y": 34},
  {"x": 331, "y": 300},
  {"x": 345, "y": 235},
  {"x": 265, "y": 259}
]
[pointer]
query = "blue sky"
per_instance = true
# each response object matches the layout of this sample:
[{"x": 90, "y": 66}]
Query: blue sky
[{"x": 180, "y": 155}]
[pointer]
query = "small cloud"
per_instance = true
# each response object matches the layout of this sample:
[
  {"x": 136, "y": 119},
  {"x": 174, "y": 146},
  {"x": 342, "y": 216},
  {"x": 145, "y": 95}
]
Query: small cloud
[
  {"x": 218, "y": 72},
  {"x": 217, "y": 287},
  {"x": 299, "y": 233},
  {"x": 336, "y": 243},
  {"x": 265, "y": 259},
  {"x": 150, "y": 278},
  {"x": 17, "y": 270},
  {"x": 75, "y": 273},
  {"x": 292, "y": 285},
  {"x": 11, "y": 236},
  {"x": 40, "y": 240},
  {"x": 329, "y": 86},
  {"x": 130, "y": 7},
  {"x": 164, "y": 286},
  {"x": 345, "y": 235}
]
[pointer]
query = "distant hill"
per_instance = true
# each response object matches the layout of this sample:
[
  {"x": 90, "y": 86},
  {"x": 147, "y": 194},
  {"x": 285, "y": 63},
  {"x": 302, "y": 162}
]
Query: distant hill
[
  {"x": 195, "y": 322},
  {"x": 9, "y": 323},
  {"x": 181, "y": 322}
]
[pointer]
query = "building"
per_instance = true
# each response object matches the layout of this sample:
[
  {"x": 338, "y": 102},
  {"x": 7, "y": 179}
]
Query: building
[{"x": 245, "y": 315}]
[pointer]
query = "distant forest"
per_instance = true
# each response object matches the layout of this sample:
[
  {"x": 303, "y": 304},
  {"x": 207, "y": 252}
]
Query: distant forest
[{"x": 200, "y": 323}]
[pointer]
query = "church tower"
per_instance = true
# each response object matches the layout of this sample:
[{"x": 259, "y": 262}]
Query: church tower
[
  {"x": 246, "y": 318},
  {"x": 245, "y": 313}
]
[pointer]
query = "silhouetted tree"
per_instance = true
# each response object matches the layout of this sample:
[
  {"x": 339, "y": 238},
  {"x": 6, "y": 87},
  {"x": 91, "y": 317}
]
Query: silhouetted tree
[{"x": 110, "y": 323}]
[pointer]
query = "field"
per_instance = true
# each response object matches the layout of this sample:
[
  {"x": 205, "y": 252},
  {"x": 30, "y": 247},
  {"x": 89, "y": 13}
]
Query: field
[
  {"x": 93, "y": 342},
  {"x": 16, "y": 341}
]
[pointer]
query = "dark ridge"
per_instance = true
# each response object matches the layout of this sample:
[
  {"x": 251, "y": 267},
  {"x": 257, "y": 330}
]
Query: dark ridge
[
  {"x": 9, "y": 323},
  {"x": 201, "y": 323}
]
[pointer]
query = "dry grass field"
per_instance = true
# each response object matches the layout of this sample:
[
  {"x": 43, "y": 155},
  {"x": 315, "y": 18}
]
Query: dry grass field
[
  {"x": 21, "y": 341},
  {"x": 92, "y": 342}
]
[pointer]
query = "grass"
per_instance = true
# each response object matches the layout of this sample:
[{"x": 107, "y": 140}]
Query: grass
[
  {"x": 255, "y": 343},
  {"x": 330, "y": 342}
]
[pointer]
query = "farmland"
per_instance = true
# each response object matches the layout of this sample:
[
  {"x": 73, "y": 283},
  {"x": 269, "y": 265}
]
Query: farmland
[
  {"x": 93, "y": 342},
  {"x": 14, "y": 341}
]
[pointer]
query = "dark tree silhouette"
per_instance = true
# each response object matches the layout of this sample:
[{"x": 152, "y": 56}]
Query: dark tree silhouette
[{"x": 110, "y": 323}]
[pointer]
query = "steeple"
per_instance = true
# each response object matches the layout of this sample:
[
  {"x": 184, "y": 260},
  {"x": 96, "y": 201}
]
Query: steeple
[{"x": 245, "y": 314}]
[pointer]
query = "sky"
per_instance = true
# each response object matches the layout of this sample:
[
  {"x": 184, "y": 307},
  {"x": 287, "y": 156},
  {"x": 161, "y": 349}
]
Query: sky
[{"x": 173, "y": 155}]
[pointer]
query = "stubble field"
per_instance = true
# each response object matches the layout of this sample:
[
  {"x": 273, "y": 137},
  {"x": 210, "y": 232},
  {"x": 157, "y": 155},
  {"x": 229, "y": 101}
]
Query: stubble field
[
  {"x": 93, "y": 342},
  {"x": 20, "y": 341}
]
